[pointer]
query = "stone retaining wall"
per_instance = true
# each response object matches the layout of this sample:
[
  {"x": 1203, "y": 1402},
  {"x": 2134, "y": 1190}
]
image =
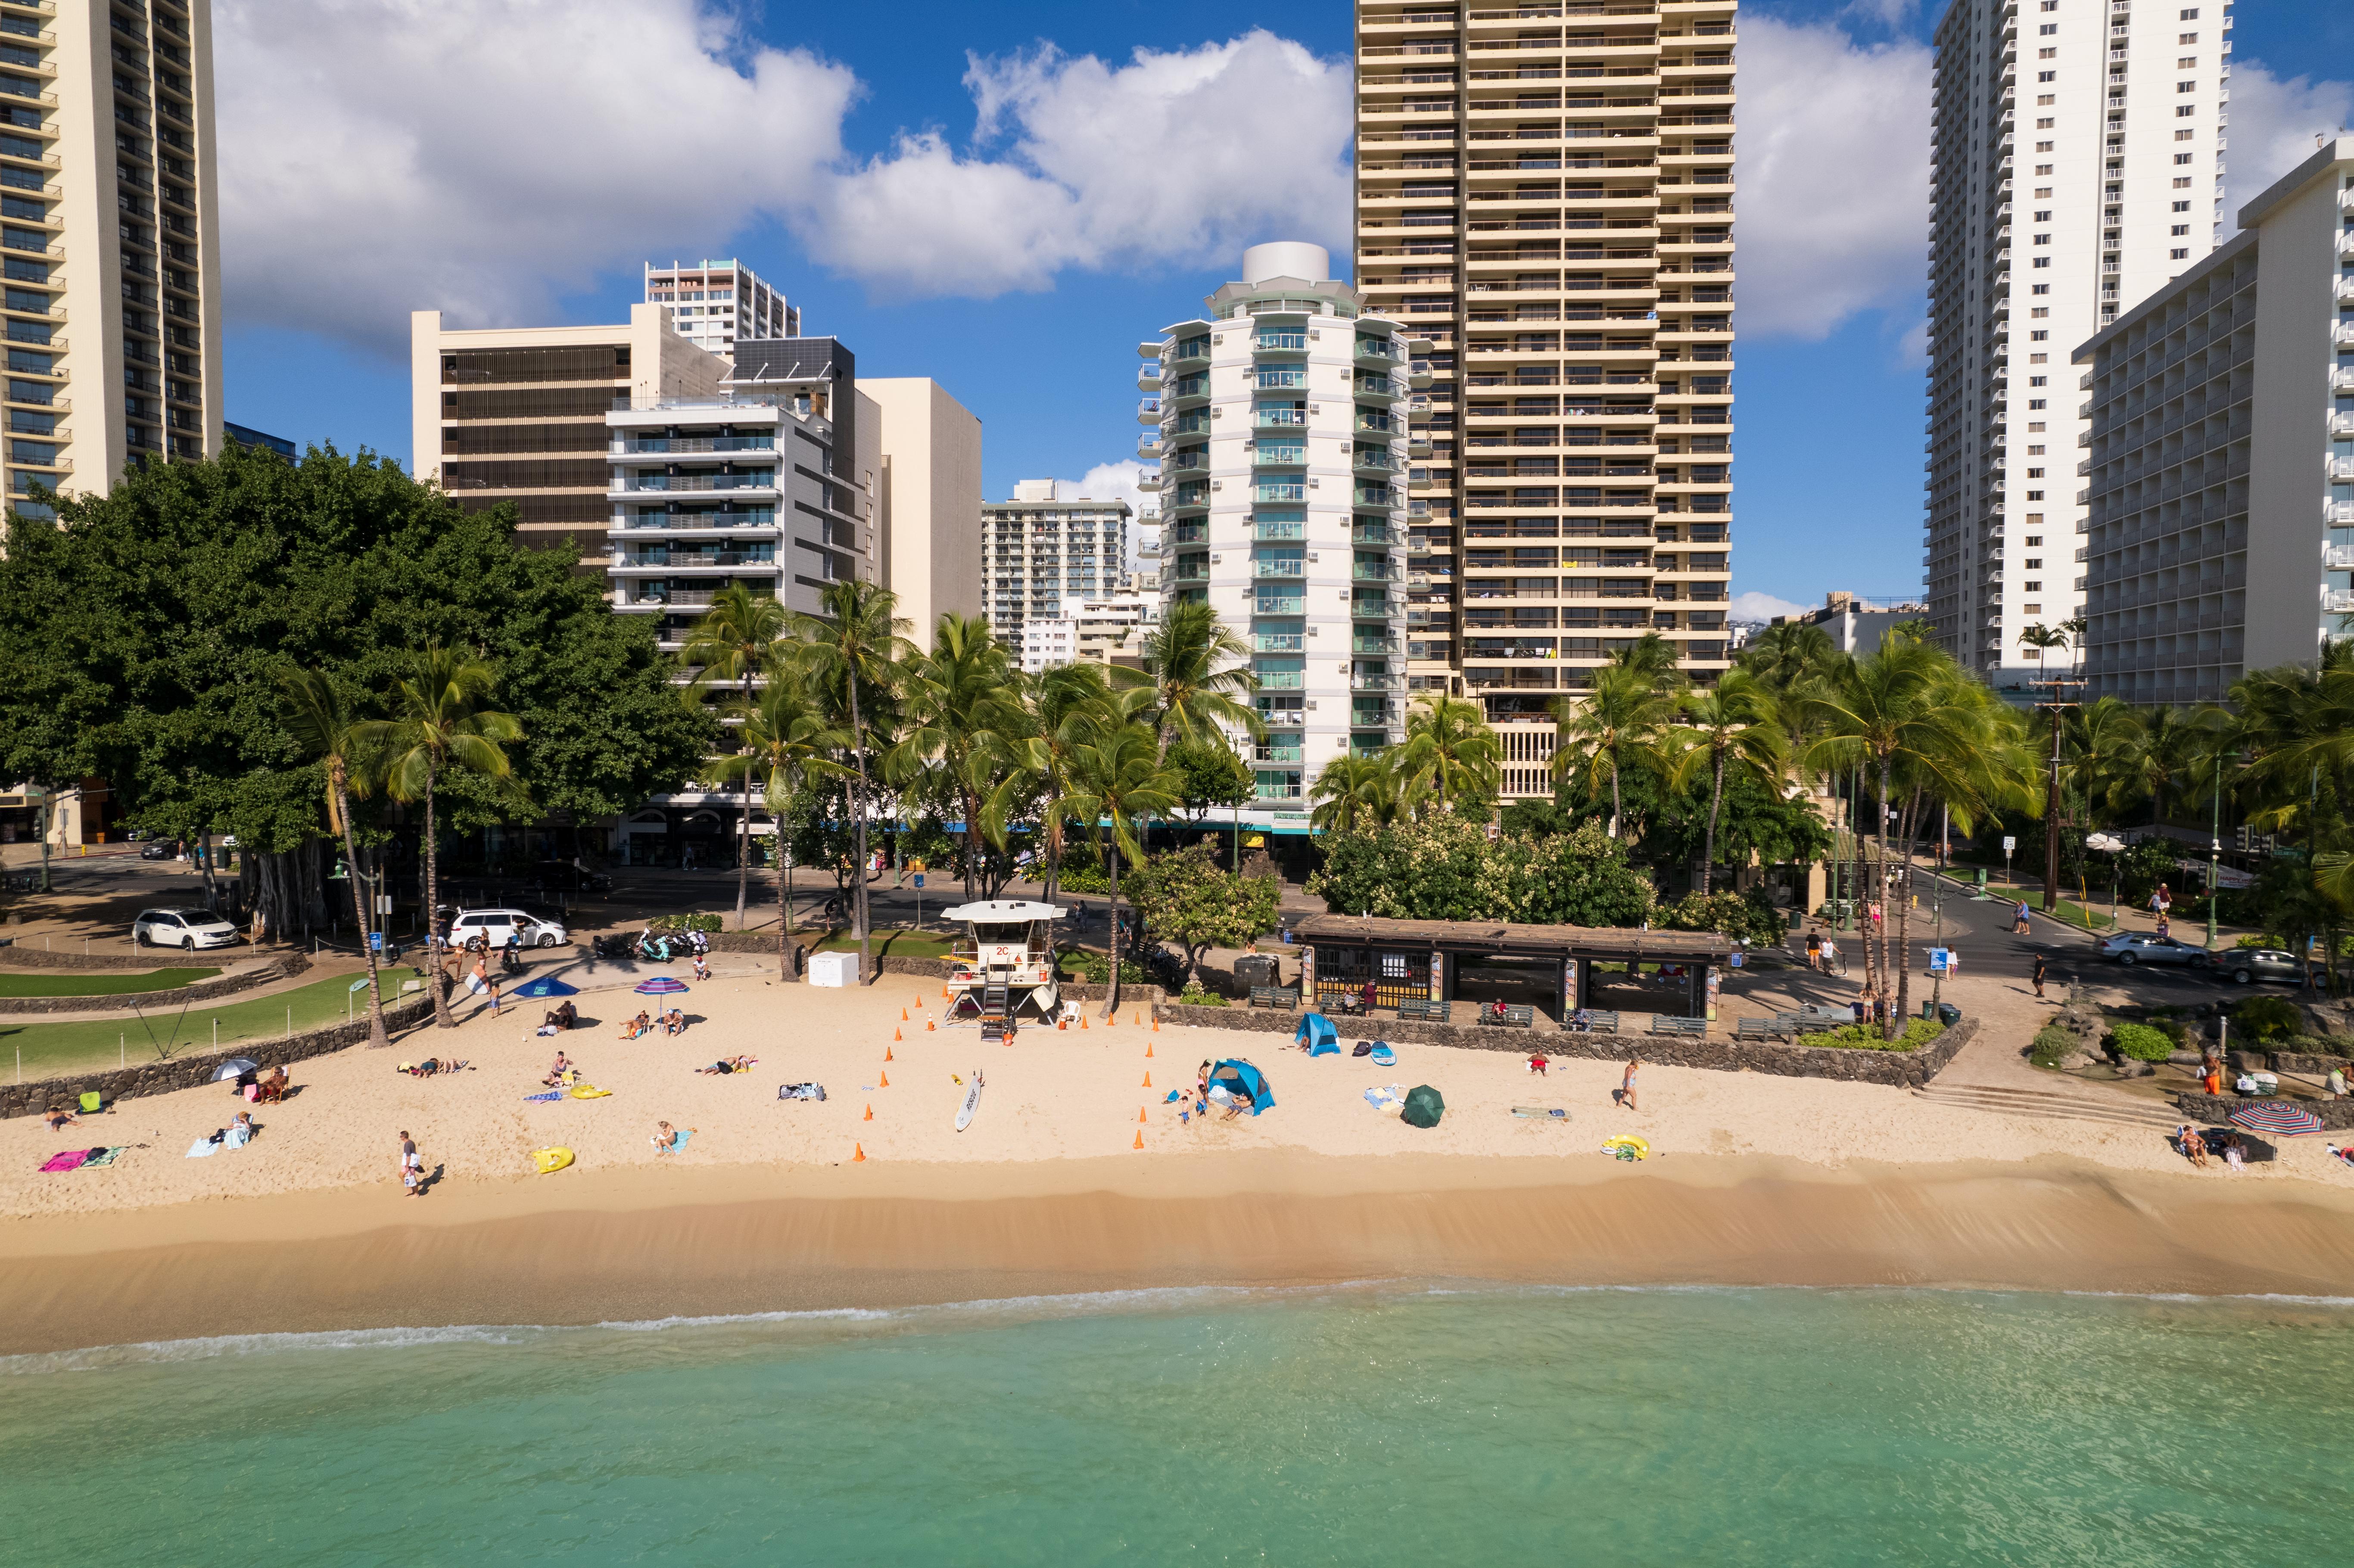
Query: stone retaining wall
[
  {"x": 1715, "y": 1053},
  {"x": 2298, "y": 1062},
  {"x": 285, "y": 966},
  {"x": 18, "y": 956},
  {"x": 2336, "y": 1114},
  {"x": 195, "y": 1070}
]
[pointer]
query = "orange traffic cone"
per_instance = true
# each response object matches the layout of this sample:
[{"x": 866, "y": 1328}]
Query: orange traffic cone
[
  {"x": 1112, "y": 1022},
  {"x": 1148, "y": 1044},
  {"x": 1061, "y": 1024},
  {"x": 1137, "y": 1017},
  {"x": 885, "y": 1081},
  {"x": 903, "y": 1014},
  {"x": 1082, "y": 1020},
  {"x": 897, "y": 1036},
  {"x": 1140, "y": 1141},
  {"x": 1148, "y": 1078},
  {"x": 1156, "y": 1023},
  {"x": 860, "y": 1156},
  {"x": 1140, "y": 1115},
  {"x": 870, "y": 1114},
  {"x": 887, "y": 1050},
  {"x": 928, "y": 1025}
]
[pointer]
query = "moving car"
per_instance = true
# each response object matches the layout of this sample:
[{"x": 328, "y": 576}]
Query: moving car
[
  {"x": 497, "y": 924},
  {"x": 2245, "y": 965},
  {"x": 185, "y": 929},
  {"x": 2139, "y": 948},
  {"x": 156, "y": 848}
]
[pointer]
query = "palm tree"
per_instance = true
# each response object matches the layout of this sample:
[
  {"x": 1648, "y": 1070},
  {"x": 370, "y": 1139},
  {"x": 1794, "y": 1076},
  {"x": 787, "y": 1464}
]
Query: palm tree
[
  {"x": 785, "y": 739},
  {"x": 734, "y": 641},
  {"x": 1790, "y": 654},
  {"x": 2101, "y": 764},
  {"x": 316, "y": 712},
  {"x": 2042, "y": 638},
  {"x": 2172, "y": 749},
  {"x": 1061, "y": 707},
  {"x": 1651, "y": 654},
  {"x": 1735, "y": 722},
  {"x": 1450, "y": 755},
  {"x": 1616, "y": 725},
  {"x": 852, "y": 650},
  {"x": 1198, "y": 673},
  {"x": 439, "y": 727},
  {"x": 1354, "y": 793},
  {"x": 1120, "y": 781},
  {"x": 959, "y": 715}
]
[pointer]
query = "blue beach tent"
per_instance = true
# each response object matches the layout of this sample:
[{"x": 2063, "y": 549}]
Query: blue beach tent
[
  {"x": 1317, "y": 1033},
  {"x": 1241, "y": 1078}
]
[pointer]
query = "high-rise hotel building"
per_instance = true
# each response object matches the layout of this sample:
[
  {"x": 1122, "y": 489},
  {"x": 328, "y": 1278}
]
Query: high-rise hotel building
[
  {"x": 2078, "y": 166},
  {"x": 1544, "y": 197},
  {"x": 716, "y": 304},
  {"x": 108, "y": 239}
]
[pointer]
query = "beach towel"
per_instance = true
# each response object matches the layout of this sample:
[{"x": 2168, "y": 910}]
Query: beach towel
[
  {"x": 1387, "y": 1097},
  {"x": 70, "y": 1160},
  {"x": 800, "y": 1091},
  {"x": 202, "y": 1149},
  {"x": 551, "y": 1094},
  {"x": 683, "y": 1134},
  {"x": 103, "y": 1157},
  {"x": 1552, "y": 1112}
]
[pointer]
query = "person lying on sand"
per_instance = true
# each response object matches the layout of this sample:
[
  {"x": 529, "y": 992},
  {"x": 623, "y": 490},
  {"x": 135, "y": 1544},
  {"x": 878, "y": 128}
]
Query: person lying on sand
[
  {"x": 562, "y": 1065},
  {"x": 60, "y": 1115},
  {"x": 637, "y": 1026},
  {"x": 727, "y": 1065}
]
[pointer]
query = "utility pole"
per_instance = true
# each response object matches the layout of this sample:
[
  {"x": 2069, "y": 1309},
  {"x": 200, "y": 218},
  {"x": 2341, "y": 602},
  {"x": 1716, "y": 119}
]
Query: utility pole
[
  {"x": 2052, "y": 818},
  {"x": 2214, "y": 851}
]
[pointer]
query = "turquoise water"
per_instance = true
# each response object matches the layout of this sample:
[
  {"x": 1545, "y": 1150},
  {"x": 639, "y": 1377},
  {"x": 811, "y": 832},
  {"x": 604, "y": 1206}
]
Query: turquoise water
[{"x": 1366, "y": 1425}]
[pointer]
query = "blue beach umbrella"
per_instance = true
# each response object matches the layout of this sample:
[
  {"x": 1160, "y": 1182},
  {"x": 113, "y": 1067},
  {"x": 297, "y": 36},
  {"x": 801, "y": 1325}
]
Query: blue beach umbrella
[
  {"x": 660, "y": 985},
  {"x": 546, "y": 985}
]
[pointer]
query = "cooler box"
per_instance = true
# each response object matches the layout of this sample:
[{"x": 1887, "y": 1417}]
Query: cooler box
[{"x": 833, "y": 969}]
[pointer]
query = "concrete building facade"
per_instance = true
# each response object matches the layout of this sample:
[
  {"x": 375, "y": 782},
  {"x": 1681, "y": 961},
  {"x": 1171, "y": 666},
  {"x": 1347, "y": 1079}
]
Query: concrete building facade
[
  {"x": 929, "y": 500},
  {"x": 2219, "y": 454},
  {"x": 518, "y": 413},
  {"x": 109, "y": 238},
  {"x": 1854, "y": 625},
  {"x": 1046, "y": 545},
  {"x": 1103, "y": 631},
  {"x": 1544, "y": 194},
  {"x": 715, "y": 304},
  {"x": 2078, "y": 166},
  {"x": 1277, "y": 417}
]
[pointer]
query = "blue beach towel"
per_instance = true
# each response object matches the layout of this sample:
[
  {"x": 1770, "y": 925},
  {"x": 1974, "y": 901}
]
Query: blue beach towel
[
  {"x": 551, "y": 1094},
  {"x": 203, "y": 1148}
]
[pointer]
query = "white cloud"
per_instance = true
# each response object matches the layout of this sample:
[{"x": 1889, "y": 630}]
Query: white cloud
[
  {"x": 480, "y": 156},
  {"x": 485, "y": 156},
  {"x": 1755, "y": 606},
  {"x": 1183, "y": 157},
  {"x": 1832, "y": 165},
  {"x": 2274, "y": 123}
]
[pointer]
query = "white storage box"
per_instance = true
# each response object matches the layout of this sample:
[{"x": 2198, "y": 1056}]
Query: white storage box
[{"x": 833, "y": 969}]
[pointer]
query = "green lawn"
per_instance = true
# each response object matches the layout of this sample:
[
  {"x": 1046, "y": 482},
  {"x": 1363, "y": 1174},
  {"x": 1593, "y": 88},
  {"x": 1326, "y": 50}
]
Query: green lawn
[
  {"x": 900, "y": 944},
  {"x": 19, "y": 984},
  {"x": 164, "y": 1033}
]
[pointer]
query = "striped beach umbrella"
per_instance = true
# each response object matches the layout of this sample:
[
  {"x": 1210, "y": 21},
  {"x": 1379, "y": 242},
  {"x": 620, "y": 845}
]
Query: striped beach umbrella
[
  {"x": 662, "y": 985},
  {"x": 2276, "y": 1115}
]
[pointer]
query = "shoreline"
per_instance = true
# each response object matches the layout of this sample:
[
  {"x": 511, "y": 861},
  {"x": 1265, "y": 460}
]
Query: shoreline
[{"x": 619, "y": 1246}]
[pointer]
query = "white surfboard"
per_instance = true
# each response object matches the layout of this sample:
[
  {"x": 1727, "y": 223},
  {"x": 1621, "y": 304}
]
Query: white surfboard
[{"x": 971, "y": 1102}]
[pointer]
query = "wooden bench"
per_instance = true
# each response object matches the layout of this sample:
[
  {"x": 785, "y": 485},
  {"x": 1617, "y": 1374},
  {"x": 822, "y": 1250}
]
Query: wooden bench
[
  {"x": 1430, "y": 1011},
  {"x": 1598, "y": 1021},
  {"x": 1511, "y": 1017},
  {"x": 1276, "y": 996},
  {"x": 1663, "y": 1024}
]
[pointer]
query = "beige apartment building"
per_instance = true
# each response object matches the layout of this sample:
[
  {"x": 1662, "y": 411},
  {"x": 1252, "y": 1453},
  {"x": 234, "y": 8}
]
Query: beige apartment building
[
  {"x": 108, "y": 239},
  {"x": 1544, "y": 197},
  {"x": 929, "y": 500}
]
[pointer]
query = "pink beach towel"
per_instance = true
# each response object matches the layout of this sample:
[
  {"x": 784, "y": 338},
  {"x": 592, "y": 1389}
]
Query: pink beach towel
[{"x": 69, "y": 1160}]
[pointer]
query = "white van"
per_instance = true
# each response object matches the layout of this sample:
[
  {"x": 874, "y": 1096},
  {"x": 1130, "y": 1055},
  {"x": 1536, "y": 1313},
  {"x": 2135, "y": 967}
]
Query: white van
[{"x": 497, "y": 925}]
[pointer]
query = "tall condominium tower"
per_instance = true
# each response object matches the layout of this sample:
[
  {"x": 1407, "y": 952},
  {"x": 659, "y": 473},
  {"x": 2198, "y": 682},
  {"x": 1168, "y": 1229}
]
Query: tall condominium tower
[
  {"x": 1544, "y": 194},
  {"x": 1047, "y": 545},
  {"x": 2078, "y": 166},
  {"x": 1279, "y": 443},
  {"x": 108, "y": 234},
  {"x": 716, "y": 304}
]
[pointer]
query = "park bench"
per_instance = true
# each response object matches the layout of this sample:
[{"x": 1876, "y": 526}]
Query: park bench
[
  {"x": 1511, "y": 1017},
  {"x": 1598, "y": 1021},
  {"x": 1276, "y": 996},
  {"x": 1757, "y": 1029},
  {"x": 1663, "y": 1024},
  {"x": 1431, "y": 1011}
]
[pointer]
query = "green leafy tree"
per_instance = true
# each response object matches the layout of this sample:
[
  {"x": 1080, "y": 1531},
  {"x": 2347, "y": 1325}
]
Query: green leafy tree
[
  {"x": 1736, "y": 724},
  {"x": 1118, "y": 780},
  {"x": 1187, "y": 897},
  {"x": 783, "y": 738},
  {"x": 961, "y": 719},
  {"x": 322, "y": 722},
  {"x": 1445, "y": 868},
  {"x": 733, "y": 643},
  {"x": 1616, "y": 727},
  {"x": 1450, "y": 756},
  {"x": 1356, "y": 793},
  {"x": 1061, "y": 707},
  {"x": 1198, "y": 672},
  {"x": 441, "y": 728}
]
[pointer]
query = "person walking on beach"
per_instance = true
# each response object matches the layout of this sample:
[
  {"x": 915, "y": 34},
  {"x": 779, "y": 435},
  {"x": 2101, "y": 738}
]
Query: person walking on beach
[
  {"x": 412, "y": 1167},
  {"x": 2038, "y": 977},
  {"x": 1626, "y": 1085}
]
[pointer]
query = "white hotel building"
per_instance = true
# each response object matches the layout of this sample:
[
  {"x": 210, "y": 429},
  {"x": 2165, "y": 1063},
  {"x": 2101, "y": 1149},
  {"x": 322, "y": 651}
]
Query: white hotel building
[
  {"x": 2077, "y": 166},
  {"x": 1280, "y": 431}
]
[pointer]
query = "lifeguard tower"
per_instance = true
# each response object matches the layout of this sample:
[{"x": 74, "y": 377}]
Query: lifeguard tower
[{"x": 1006, "y": 965}]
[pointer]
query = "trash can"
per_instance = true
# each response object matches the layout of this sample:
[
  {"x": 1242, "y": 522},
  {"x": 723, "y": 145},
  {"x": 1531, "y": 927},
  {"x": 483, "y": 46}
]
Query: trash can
[
  {"x": 1798, "y": 918},
  {"x": 1928, "y": 1009},
  {"x": 1948, "y": 1014}
]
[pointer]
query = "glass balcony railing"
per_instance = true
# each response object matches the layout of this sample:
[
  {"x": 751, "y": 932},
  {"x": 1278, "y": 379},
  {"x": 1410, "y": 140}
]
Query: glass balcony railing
[
  {"x": 695, "y": 444},
  {"x": 1377, "y": 348},
  {"x": 1280, "y": 341},
  {"x": 1280, "y": 642},
  {"x": 1275, "y": 533},
  {"x": 1264, "y": 456},
  {"x": 1290, "y": 604},
  {"x": 677, "y": 481},
  {"x": 1280, "y": 419},
  {"x": 1281, "y": 567},
  {"x": 1283, "y": 679},
  {"x": 1279, "y": 492},
  {"x": 1270, "y": 378}
]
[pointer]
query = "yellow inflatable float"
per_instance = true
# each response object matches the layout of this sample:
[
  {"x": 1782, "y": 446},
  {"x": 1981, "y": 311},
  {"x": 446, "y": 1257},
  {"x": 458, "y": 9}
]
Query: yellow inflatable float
[
  {"x": 1626, "y": 1146},
  {"x": 551, "y": 1160},
  {"x": 590, "y": 1092}
]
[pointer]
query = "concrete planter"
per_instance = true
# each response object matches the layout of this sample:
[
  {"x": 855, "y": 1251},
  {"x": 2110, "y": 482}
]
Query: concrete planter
[{"x": 2338, "y": 1116}]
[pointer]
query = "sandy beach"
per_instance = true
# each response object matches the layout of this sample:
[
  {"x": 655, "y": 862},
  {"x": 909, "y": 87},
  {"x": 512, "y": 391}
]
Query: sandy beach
[{"x": 1754, "y": 1179}]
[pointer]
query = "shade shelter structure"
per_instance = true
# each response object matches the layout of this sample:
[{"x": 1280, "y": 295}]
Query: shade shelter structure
[{"x": 1552, "y": 968}]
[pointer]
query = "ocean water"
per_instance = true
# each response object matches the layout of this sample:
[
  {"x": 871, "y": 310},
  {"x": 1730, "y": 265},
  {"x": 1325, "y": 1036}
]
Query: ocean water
[{"x": 1364, "y": 1425}]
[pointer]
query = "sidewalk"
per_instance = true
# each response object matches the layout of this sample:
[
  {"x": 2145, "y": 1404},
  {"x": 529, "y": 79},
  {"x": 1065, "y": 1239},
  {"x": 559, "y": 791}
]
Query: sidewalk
[{"x": 2128, "y": 917}]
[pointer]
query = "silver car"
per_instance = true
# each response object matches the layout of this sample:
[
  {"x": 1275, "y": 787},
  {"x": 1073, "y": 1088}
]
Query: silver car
[{"x": 2136, "y": 948}]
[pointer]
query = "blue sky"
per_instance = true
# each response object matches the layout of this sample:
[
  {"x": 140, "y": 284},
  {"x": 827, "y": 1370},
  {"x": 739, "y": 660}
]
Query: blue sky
[{"x": 1019, "y": 259}]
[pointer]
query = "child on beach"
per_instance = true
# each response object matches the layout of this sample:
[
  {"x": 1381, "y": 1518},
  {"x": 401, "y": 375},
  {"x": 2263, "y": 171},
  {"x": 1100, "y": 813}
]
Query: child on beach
[
  {"x": 702, "y": 965},
  {"x": 1626, "y": 1096}
]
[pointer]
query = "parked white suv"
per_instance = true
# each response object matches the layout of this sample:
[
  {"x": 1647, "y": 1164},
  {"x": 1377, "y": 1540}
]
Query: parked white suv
[
  {"x": 498, "y": 924},
  {"x": 185, "y": 928}
]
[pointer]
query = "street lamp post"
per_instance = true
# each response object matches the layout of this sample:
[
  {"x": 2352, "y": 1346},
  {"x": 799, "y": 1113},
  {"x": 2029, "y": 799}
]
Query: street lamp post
[{"x": 2214, "y": 851}]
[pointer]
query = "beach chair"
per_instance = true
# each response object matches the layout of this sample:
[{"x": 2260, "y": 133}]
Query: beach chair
[{"x": 92, "y": 1102}]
